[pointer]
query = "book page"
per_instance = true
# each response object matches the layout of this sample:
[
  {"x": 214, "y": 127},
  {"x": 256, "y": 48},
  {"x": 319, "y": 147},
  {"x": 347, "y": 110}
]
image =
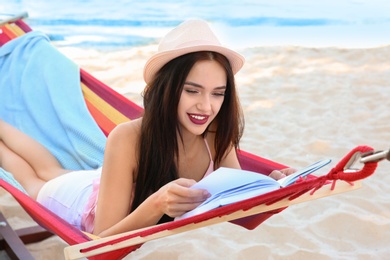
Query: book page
[
  {"x": 290, "y": 179},
  {"x": 227, "y": 185},
  {"x": 224, "y": 179}
]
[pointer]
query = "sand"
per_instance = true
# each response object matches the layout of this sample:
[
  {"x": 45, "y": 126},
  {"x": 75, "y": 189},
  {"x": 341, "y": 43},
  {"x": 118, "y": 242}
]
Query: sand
[{"x": 301, "y": 105}]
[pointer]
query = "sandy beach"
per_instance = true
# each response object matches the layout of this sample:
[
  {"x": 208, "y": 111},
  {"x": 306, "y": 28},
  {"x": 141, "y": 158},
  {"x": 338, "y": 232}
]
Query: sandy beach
[{"x": 301, "y": 105}]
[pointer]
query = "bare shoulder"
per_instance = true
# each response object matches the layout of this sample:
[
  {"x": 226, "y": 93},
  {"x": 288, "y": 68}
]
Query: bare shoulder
[
  {"x": 124, "y": 138},
  {"x": 121, "y": 149},
  {"x": 128, "y": 131}
]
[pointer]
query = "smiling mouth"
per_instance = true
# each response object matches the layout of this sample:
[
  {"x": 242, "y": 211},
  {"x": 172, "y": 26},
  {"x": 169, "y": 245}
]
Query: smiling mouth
[{"x": 198, "y": 119}]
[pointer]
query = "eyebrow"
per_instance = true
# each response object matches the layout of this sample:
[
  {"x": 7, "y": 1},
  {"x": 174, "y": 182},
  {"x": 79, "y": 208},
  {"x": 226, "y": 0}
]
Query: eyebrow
[{"x": 200, "y": 86}]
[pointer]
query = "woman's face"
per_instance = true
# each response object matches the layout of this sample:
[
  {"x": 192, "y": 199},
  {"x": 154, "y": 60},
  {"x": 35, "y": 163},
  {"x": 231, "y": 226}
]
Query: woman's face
[{"x": 202, "y": 96}]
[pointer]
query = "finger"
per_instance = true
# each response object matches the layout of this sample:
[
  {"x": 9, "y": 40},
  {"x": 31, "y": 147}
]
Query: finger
[
  {"x": 178, "y": 209},
  {"x": 185, "y": 182},
  {"x": 277, "y": 175},
  {"x": 186, "y": 195},
  {"x": 288, "y": 171},
  {"x": 177, "y": 205}
]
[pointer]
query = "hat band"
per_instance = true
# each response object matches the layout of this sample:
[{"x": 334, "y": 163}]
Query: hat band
[{"x": 195, "y": 44}]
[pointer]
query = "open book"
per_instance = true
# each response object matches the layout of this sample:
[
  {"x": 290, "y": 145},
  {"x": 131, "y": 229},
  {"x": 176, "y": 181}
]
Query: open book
[{"x": 228, "y": 186}]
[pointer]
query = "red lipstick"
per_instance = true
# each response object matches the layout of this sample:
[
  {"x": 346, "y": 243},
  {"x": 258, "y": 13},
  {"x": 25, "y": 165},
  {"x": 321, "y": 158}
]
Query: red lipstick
[{"x": 198, "y": 119}]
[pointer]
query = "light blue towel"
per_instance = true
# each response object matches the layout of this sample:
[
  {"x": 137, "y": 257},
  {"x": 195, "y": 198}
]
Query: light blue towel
[{"x": 40, "y": 94}]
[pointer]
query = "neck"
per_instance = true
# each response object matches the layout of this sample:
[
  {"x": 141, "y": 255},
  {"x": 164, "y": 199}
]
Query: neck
[{"x": 188, "y": 141}]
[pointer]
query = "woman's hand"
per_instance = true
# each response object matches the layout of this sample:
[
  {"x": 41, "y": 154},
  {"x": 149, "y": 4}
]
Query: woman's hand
[
  {"x": 278, "y": 174},
  {"x": 176, "y": 197}
]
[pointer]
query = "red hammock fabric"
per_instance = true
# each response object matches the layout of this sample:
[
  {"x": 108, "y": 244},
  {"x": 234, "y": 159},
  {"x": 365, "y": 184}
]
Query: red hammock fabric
[{"x": 248, "y": 161}]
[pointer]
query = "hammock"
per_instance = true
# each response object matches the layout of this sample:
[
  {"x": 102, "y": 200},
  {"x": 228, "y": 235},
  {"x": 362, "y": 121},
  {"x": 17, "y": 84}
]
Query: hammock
[{"x": 109, "y": 108}]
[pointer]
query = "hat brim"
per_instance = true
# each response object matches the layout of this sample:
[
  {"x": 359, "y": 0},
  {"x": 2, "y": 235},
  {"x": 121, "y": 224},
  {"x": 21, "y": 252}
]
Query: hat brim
[{"x": 157, "y": 61}]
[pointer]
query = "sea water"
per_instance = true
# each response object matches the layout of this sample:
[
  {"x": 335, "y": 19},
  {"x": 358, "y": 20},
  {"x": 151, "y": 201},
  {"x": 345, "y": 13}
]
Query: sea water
[{"x": 240, "y": 23}]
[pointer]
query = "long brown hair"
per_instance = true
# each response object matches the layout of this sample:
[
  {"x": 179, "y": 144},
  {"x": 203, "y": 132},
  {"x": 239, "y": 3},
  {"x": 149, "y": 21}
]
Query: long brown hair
[{"x": 158, "y": 148}]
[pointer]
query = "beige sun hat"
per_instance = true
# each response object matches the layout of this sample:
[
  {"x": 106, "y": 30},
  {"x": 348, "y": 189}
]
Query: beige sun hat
[{"x": 189, "y": 36}]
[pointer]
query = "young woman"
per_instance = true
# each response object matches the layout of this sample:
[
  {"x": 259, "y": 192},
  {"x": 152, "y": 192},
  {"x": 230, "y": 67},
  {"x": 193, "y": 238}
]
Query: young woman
[{"x": 192, "y": 125}]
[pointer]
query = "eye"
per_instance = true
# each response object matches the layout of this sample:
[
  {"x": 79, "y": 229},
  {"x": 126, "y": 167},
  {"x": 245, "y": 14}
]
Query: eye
[
  {"x": 191, "y": 91},
  {"x": 219, "y": 93}
]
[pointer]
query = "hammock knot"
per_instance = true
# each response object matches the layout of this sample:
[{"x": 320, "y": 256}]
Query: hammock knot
[
  {"x": 334, "y": 174},
  {"x": 321, "y": 181}
]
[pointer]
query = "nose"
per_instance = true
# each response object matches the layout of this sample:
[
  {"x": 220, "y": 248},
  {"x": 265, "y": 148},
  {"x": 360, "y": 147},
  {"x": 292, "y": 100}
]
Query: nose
[{"x": 204, "y": 103}]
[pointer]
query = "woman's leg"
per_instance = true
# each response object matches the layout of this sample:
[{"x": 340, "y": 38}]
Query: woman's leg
[
  {"x": 21, "y": 170},
  {"x": 44, "y": 164}
]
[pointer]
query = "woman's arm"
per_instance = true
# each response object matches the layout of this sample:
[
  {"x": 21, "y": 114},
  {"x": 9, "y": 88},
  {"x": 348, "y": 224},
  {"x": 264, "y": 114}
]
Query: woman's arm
[{"x": 116, "y": 184}]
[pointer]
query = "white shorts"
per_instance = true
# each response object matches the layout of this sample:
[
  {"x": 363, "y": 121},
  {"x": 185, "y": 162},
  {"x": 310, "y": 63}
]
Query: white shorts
[{"x": 68, "y": 194}]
